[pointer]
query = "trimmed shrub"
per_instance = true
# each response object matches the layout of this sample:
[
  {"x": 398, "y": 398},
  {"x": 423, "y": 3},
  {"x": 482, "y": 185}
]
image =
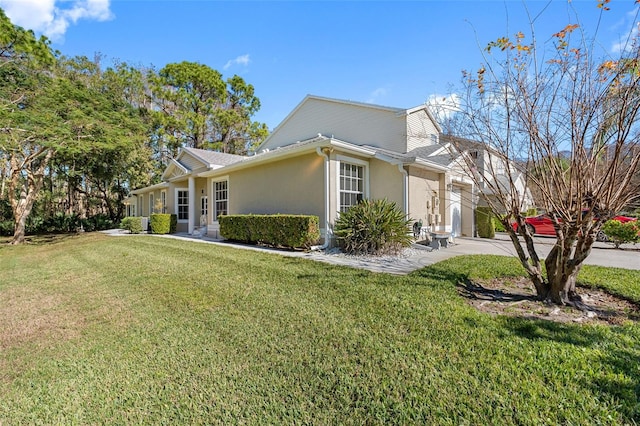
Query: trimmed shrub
[
  {"x": 163, "y": 223},
  {"x": 497, "y": 225},
  {"x": 484, "y": 222},
  {"x": 132, "y": 224},
  {"x": 621, "y": 233},
  {"x": 373, "y": 227},
  {"x": 291, "y": 231}
]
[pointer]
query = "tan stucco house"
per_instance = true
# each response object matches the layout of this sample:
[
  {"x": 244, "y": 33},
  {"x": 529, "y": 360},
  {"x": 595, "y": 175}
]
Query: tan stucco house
[{"x": 324, "y": 157}]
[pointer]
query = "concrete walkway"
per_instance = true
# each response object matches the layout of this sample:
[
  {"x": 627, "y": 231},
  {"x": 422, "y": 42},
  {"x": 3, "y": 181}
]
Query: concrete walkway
[{"x": 419, "y": 256}]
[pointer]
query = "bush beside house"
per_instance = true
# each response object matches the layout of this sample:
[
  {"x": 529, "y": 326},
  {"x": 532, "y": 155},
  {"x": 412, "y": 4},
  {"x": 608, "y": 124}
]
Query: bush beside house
[
  {"x": 291, "y": 231},
  {"x": 373, "y": 227},
  {"x": 132, "y": 224},
  {"x": 484, "y": 222},
  {"x": 163, "y": 223}
]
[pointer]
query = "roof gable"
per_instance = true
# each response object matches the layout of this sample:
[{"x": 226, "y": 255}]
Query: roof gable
[
  {"x": 174, "y": 170},
  {"x": 212, "y": 158},
  {"x": 356, "y": 122}
]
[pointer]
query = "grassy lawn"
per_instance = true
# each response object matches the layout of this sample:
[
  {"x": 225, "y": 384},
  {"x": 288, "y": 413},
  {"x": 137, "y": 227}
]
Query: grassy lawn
[{"x": 139, "y": 329}]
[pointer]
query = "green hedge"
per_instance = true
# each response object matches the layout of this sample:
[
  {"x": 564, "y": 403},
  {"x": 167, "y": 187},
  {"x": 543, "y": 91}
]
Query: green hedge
[
  {"x": 484, "y": 222},
  {"x": 132, "y": 224},
  {"x": 292, "y": 231},
  {"x": 163, "y": 223}
]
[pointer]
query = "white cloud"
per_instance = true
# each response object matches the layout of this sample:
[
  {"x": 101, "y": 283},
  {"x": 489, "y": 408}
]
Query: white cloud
[
  {"x": 443, "y": 107},
  {"x": 625, "y": 42},
  {"x": 240, "y": 60},
  {"x": 375, "y": 96},
  {"x": 53, "y": 17}
]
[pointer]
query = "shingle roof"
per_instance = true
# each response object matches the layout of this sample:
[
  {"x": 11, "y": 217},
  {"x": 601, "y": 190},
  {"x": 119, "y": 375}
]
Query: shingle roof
[
  {"x": 421, "y": 153},
  {"x": 425, "y": 151},
  {"x": 213, "y": 157}
]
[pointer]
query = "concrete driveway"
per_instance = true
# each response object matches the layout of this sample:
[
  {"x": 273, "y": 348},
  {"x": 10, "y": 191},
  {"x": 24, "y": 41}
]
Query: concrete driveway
[{"x": 602, "y": 254}]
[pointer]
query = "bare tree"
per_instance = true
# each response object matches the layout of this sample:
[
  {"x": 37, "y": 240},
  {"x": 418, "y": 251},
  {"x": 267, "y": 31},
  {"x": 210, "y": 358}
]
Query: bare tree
[{"x": 568, "y": 120}]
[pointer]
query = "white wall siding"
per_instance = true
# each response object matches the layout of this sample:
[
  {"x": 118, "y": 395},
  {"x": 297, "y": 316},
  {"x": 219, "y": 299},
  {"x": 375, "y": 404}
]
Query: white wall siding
[
  {"x": 421, "y": 131},
  {"x": 190, "y": 161},
  {"x": 360, "y": 125}
]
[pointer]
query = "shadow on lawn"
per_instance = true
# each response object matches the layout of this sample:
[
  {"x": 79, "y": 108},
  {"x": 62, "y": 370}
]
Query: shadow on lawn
[
  {"x": 45, "y": 239},
  {"x": 615, "y": 349}
]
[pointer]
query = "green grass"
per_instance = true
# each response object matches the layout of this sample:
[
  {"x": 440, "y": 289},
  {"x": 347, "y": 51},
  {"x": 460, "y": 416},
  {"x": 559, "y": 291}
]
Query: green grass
[{"x": 141, "y": 329}]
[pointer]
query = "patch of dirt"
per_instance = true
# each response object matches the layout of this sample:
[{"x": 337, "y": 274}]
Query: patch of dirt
[
  {"x": 30, "y": 316},
  {"x": 516, "y": 297}
]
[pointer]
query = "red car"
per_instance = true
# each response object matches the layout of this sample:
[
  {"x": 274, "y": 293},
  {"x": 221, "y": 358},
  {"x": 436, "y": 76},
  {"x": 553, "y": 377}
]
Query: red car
[{"x": 542, "y": 225}]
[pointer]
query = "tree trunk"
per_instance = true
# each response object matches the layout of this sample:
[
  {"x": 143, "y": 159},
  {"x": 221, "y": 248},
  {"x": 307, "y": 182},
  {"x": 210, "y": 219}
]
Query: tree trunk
[
  {"x": 27, "y": 187},
  {"x": 20, "y": 215},
  {"x": 563, "y": 265}
]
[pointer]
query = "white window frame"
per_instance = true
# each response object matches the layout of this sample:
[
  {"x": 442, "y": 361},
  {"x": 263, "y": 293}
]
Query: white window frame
[
  {"x": 131, "y": 209},
  {"x": 204, "y": 208},
  {"x": 365, "y": 176},
  {"x": 151, "y": 202},
  {"x": 177, "y": 204},
  {"x": 214, "y": 200},
  {"x": 163, "y": 199}
]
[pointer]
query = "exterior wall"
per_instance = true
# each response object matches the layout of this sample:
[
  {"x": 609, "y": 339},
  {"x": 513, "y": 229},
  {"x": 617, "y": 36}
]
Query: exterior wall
[
  {"x": 420, "y": 131},
  {"x": 386, "y": 181},
  {"x": 424, "y": 185},
  {"x": 290, "y": 186},
  {"x": 360, "y": 125}
]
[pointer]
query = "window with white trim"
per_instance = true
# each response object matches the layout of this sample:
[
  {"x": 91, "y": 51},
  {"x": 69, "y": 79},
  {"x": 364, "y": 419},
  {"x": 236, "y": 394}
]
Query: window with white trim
[
  {"x": 204, "y": 206},
  {"x": 351, "y": 185},
  {"x": 151, "y": 202},
  {"x": 163, "y": 201},
  {"x": 221, "y": 198},
  {"x": 182, "y": 204}
]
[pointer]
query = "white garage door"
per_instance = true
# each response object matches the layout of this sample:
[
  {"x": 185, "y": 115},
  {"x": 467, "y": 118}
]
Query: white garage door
[{"x": 456, "y": 212}]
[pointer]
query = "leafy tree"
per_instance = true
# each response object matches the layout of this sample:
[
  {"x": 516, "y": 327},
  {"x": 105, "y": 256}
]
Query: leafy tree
[
  {"x": 100, "y": 169},
  {"x": 25, "y": 138},
  {"x": 193, "y": 106},
  {"x": 568, "y": 121},
  {"x": 59, "y": 118}
]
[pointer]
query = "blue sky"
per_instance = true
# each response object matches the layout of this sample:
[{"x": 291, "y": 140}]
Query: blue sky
[{"x": 390, "y": 53}]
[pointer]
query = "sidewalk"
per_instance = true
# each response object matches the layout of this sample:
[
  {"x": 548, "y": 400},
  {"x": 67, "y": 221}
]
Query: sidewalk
[{"x": 419, "y": 256}]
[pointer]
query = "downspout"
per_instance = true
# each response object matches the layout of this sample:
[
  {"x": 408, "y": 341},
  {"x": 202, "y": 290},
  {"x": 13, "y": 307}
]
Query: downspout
[
  {"x": 321, "y": 152},
  {"x": 192, "y": 205},
  {"x": 405, "y": 189}
]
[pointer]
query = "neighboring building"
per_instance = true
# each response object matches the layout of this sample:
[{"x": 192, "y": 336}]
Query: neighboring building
[
  {"x": 492, "y": 171},
  {"x": 324, "y": 157}
]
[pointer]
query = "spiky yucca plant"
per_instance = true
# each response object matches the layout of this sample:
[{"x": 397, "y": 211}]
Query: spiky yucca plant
[{"x": 373, "y": 227}]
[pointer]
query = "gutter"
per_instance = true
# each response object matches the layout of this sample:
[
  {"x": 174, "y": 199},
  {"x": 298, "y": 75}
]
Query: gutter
[{"x": 405, "y": 192}]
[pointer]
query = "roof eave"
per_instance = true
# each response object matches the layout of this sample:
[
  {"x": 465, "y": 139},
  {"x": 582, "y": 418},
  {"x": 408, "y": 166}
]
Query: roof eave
[
  {"x": 275, "y": 155},
  {"x": 429, "y": 165},
  {"x": 160, "y": 185}
]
